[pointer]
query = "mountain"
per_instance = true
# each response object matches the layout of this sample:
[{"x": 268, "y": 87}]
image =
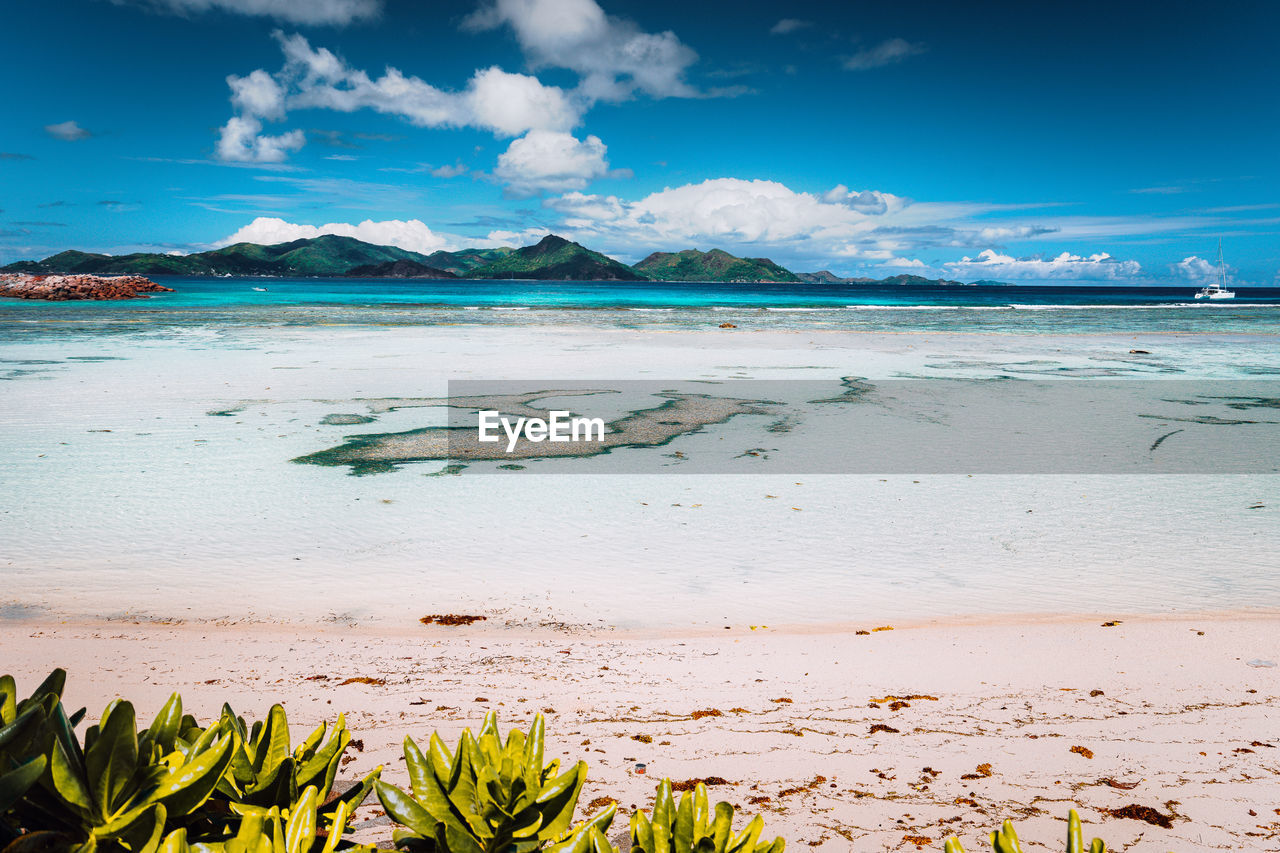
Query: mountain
[
  {"x": 397, "y": 269},
  {"x": 716, "y": 265},
  {"x": 556, "y": 258},
  {"x": 328, "y": 255},
  {"x": 828, "y": 277},
  {"x": 464, "y": 261}
]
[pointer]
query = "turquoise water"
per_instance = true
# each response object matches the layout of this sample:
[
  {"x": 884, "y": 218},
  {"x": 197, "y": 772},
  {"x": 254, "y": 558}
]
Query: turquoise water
[
  {"x": 146, "y": 447},
  {"x": 1000, "y": 309}
]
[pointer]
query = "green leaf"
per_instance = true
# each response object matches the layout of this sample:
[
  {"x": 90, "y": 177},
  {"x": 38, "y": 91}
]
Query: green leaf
[
  {"x": 559, "y": 799},
  {"x": 19, "y": 725},
  {"x": 52, "y": 685},
  {"x": 68, "y": 782},
  {"x": 15, "y": 783},
  {"x": 175, "y": 842},
  {"x": 164, "y": 729},
  {"x": 405, "y": 810},
  {"x": 745, "y": 841},
  {"x": 112, "y": 759},
  {"x": 186, "y": 788},
  {"x": 721, "y": 826},
  {"x": 8, "y": 699},
  {"x": 272, "y": 746},
  {"x": 682, "y": 831},
  {"x": 300, "y": 833}
]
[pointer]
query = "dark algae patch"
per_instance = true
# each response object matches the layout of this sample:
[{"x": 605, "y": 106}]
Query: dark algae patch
[
  {"x": 1144, "y": 813},
  {"x": 451, "y": 619},
  {"x": 341, "y": 419},
  {"x": 679, "y": 414}
]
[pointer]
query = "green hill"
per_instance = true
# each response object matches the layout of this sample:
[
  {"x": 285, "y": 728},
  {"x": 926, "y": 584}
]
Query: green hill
[
  {"x": 559, "y": 259},
  {"x": 321, "y": 256},
  {"x": 397, "y": 269},
  {"x": 463, "y": 261},
  {"x": 716, "y": 265}
]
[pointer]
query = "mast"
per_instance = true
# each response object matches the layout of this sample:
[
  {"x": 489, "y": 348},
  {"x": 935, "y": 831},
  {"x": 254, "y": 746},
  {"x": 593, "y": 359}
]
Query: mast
[{"x": 1222, "y": 268}]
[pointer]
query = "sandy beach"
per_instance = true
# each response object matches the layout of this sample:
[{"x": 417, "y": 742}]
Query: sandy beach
[{"x": 1010, "y": 718}]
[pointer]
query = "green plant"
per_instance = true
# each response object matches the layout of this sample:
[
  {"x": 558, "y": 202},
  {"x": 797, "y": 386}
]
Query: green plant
[
  {"x": 122, "y": 787},
  {"x": 276, "y": 830},
  {"x": 489, "y": 796},
  {"x": 691, "y": 827},
  {"x": 265, "y": 772},
  {"x": 1005, "y": 840},
  {"x": 128, "y": 790}
]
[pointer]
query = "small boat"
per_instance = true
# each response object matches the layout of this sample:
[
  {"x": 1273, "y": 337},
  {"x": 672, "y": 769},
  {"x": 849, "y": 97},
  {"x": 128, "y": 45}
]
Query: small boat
[
  {"x": 1217, "y": 289},
  {"x": 261, "y": 289}
]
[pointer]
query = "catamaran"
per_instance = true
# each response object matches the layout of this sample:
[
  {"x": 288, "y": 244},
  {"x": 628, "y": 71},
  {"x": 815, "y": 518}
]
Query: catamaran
[{"x": 1217, "y": 289}]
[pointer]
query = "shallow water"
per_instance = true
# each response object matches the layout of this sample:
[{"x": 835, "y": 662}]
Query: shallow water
[{"x": 145, "y": 469}]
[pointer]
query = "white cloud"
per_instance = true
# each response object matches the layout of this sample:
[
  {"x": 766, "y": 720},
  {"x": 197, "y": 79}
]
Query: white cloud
[
  {"x": 613, "y": 56},
  {"x": 1194, "y": 268},
  {"x": 547, "y": 161},
  {"x": 257, "y": 95},
  {"x": 1098, "y": 267},
  {"x": 240, "y": 141},
  {"x": 885, "y": 53},
  {"x": 789, "y": 25},
  {"x": 493, "y": 100},
  {"x": 866, "y": 201},
  {"x": 449, "y": 171},
  {"x": 412, "y": 235},
  {"x": 726, "y": 210},
  {"x": 330, "y": 12},
  {"x": 68, "y": 131},
  {"x": 510, "y": 104}
]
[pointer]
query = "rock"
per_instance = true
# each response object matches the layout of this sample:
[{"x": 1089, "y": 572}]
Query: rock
[
  {"x": 727, "y": 326},
  {"x": 59, "y": 288}
]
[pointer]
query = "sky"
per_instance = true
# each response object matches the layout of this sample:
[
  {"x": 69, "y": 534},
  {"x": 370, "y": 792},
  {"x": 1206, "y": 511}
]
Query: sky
[{"x": 1032, "y": 142}]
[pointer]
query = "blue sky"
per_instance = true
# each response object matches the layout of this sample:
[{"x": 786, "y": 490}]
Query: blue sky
[{"x": 1015, "y": 141}]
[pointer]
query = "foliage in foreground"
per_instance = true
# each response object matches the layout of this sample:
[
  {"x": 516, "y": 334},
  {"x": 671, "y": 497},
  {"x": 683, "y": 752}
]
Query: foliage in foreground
[
  {"x": 172, "y": 785},
  {"x": 177, "y": 787}
]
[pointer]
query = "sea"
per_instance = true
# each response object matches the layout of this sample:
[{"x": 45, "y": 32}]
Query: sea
[{"x": 154, "y": 456}]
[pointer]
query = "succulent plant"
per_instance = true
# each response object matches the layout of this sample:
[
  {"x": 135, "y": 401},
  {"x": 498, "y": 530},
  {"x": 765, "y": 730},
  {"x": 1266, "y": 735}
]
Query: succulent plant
[
  {"x": 265, "y": 772},
  {"x": 122, "y": 786},
  {"x": 275, "y": 830},
  {"x": 1005, "y": 840},
  {"x": 490, "y": 796},
  {"x": 692, "y": 827}
]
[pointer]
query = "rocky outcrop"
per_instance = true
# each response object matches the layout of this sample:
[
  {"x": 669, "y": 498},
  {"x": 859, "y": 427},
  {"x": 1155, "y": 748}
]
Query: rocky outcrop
[{"x": 59, "y": 288}]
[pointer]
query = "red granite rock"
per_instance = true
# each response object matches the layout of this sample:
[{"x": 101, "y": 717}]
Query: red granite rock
[{"x": 57, "y": 288}]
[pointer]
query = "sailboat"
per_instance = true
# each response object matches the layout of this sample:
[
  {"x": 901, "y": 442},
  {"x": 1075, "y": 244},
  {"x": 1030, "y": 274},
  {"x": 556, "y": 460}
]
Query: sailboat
[{"x": 1217, "y": 289}]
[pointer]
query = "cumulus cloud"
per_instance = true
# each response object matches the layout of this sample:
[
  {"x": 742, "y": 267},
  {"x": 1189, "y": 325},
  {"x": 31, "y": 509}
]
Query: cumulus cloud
[
  {"x": 886, "y": 52},
  {"x": 68, "y": 131},
  {"x": 867, "y": 201},
  {"x": 503, "y": 103},
  {"x": 789, "y": 25},
  {"x": 864, "y": 228},
  {"x": 326, "y": 12},
  {"x": 613, "y": 57},
  {"x": 548, "y": 161},
  {"x": 241, "y": 141},
  {"x": 258, "y": 94},
  {"x": 412, "y": 235},
  {"x": 1194, "y": 268},
  {"x": 1098, "y": 267},
  {"x": 729, "y": 210}
]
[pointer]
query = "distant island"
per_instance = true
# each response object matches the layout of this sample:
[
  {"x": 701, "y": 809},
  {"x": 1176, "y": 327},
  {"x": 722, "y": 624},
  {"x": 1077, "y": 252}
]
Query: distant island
[{"x": 552, "y": 258}]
